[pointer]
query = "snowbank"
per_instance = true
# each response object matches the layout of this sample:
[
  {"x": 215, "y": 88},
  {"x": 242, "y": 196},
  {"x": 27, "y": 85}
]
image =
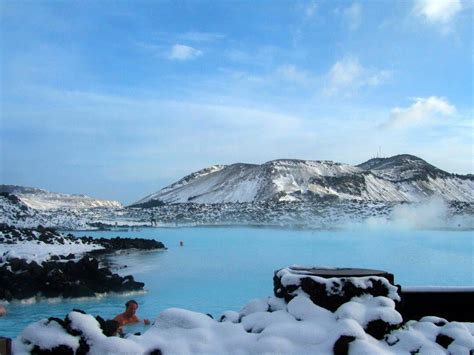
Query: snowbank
[
  {"x": 265, "y": 326},
  {"x": 367, "y": 323}
]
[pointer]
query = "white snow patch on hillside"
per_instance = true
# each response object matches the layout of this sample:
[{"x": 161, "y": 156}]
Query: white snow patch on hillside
[{"x": 54, "y": 201}]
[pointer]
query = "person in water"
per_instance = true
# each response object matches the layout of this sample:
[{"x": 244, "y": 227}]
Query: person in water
[{"x": 129, "y": 316}]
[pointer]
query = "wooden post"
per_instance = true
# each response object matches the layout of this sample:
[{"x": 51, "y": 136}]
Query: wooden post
[{"x": 5, "y": 346}]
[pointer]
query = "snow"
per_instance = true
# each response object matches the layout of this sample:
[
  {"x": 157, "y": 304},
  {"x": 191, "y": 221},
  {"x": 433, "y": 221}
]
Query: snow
[
  {"x": 289, "y": 276},
  {"x": 438, "y": 289},
  {"x": 235, "y": 183},
  {"x": 181, "y": 318},
  {"x": 365, "y": 309},
  {"x": 255, "y": 305},
  {"x": 300, "y": 328},
  {"x": 422, "y": 335},
  {"x": 43, "y": 200},
  {"x": 407, "y": 179},
  {"x": 90, "y": 328},
  {"x": 46, "y": 335},
  {"x": 53, "y": 201},
  {"x": 39, "y": 251}
]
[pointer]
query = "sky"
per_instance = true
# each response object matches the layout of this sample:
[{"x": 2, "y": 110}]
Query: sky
[{"x": 117, "y": 99}]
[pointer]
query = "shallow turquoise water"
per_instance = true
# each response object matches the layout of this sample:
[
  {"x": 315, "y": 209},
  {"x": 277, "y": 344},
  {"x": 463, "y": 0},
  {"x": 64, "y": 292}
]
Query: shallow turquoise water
[{"x": 222, "y": 268}]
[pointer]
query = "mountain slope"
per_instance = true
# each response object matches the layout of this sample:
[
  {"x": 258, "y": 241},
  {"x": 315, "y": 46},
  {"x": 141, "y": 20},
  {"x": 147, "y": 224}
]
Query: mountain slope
[
  {"x": 396, "y": 179},
  {"x": 402, "y": 168},
  {"x": 43, "y": 200}
]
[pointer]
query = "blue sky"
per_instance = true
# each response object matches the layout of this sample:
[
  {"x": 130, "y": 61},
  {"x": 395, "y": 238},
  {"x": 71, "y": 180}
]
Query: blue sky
[{"x": 116, "y": 99}]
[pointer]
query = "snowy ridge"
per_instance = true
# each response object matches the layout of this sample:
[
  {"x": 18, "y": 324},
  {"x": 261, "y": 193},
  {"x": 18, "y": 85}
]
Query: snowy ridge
[
  {"x": 15, "y": 212},
  {"x": 402, "y": 178},
  {"x": 235, "y": 182},
  {"x": 44, "y": 200},
  {"x": 401, "y": 168},
  {"x": 184, "y": 181}
]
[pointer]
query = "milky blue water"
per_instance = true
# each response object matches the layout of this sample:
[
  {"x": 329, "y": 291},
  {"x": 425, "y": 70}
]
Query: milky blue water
[{"x": 222, "y": 268}]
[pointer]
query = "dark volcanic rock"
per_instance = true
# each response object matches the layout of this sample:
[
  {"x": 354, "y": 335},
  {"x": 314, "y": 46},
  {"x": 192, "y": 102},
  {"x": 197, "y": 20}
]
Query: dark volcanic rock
[
  {"x": 341, "y": 346},
  {"x": 64, "y": 275},
  {"x": 118, "y": 243},
  {"x": 83, "y": 278},
  {"x": 444, "y": 340},
  {"x": 52, "y": 236},
  {"x": 14, "y": 200}
]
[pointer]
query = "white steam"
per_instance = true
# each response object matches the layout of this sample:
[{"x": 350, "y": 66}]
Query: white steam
[{"x": 432, "y": 213}]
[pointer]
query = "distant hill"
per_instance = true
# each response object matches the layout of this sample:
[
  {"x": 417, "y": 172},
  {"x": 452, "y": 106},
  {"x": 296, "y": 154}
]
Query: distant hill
[
  {"x": 44, "y": 200},
  {"x": 394, "y": 179}
]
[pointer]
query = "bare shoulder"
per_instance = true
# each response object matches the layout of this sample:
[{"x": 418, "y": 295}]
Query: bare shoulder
[{"x": 119, "y": 318}]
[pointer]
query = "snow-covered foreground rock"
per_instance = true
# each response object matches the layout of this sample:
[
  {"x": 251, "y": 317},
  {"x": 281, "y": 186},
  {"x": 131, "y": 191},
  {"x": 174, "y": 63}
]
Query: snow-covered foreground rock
[
  {"x": 264, "y": 326},
  {"x": 42, "y": 262}
]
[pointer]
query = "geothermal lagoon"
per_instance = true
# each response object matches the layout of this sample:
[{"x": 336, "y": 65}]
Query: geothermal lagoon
[{"x": 222, "y": 268}]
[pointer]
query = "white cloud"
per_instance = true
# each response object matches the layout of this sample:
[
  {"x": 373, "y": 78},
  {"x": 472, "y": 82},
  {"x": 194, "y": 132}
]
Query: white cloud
[
  {"x": 421, "y": 111},
  {"x": 379, "y": 77},
  {"x": 437, "y": 11},
  {"x": 183, "y": 52},
  {"x": 292, "y": 73},
  {"x": 344, "y": 74},
  {"x": 353, "y": 15},
  {"x": 347, "y": 75}
]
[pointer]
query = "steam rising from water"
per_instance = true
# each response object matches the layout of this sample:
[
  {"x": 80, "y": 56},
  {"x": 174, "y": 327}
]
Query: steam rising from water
[{"x": 433, "y": 213}]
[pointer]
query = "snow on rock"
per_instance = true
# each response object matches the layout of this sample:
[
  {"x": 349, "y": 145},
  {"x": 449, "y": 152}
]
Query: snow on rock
[
  {"x": 302, "y": 308},
  {"x": 368, "y": 308},
  {"x": 40, "y": 263},
  {"x": 39, "y": 251},
  {"x": 230, "y": 316},
  {"x": 328, "y": 291},
  {"x": 364, "y": 324},
  {"x": 39, "y": 244},
  {"x": 255, "y": 305},
  {"x": 44, "y": 200},
  {"x": 309, "y": 214},
  {"x": 15, "y": 212},
  {"x": 402, "y": 178},
  {"x": 302, "y": 328},
  {"x": 44, "y": 335},
  {"x": 181, "y": 318}
]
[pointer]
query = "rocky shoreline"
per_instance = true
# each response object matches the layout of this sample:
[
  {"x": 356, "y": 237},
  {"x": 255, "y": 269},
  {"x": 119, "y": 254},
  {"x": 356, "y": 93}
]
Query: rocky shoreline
[
  {"x": 325, "y": 213},
  {"x": 50, "y": 265}
]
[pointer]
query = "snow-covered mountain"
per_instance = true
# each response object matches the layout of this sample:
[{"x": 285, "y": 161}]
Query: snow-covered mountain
[
  {"x": 395, "y": 179},
  {"x": 44, "y": 200}
]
